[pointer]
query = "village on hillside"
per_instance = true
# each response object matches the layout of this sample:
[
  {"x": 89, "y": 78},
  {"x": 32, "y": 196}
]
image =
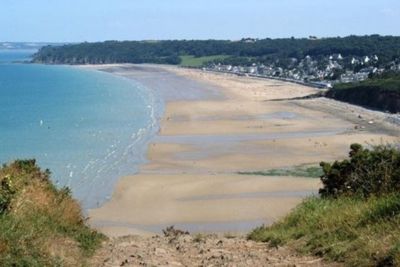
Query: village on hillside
[{"x": 323, "y": 72}]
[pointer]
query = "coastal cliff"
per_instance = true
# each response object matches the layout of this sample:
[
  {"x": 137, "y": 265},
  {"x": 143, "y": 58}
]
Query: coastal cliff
[{"x": 381, "y": 93}]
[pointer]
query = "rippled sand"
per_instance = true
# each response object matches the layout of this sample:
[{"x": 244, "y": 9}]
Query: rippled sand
[{"x": 216, "y": 125}]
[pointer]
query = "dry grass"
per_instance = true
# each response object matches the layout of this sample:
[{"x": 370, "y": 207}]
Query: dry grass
[{"x": 40, "y": 225}]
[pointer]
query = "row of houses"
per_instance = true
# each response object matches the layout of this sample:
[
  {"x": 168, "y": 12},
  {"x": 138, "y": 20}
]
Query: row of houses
[{"x": 325, "y": 72}]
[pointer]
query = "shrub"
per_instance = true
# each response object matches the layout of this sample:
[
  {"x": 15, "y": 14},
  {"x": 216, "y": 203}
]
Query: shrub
[
  {"x": 6, "y": 193},
  {"x": 366, "y": 172}
]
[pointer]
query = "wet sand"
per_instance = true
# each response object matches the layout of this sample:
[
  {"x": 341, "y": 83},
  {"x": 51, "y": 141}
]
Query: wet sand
[{"x": 216, "y": 125}]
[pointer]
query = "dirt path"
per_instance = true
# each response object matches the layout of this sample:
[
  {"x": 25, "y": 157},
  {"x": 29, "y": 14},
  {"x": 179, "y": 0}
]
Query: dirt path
[{"x": 179, "y": 249}]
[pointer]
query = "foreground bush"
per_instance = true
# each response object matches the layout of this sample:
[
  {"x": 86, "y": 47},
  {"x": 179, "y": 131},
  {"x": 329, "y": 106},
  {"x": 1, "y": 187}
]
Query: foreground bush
[
  {"x": 357, "y": 218},
  {"x": 40, "y": 225},
  {"x": 367, "y": 172}
]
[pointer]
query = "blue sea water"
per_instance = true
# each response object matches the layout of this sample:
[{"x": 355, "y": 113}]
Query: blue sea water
[
  {"x": 89, "y": 128},
  {"x": 20, "y": 55}
]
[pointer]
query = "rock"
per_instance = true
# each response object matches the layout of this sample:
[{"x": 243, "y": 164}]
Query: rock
[
  {"x": 160, "y": 251},
  {"x": 249, "y": 245},
  {"x": 175, "y": 263},
  {"x": 249, "y": 262},
  {"x": 185, "y": 238},
  {"x": 124, "y": 244}
]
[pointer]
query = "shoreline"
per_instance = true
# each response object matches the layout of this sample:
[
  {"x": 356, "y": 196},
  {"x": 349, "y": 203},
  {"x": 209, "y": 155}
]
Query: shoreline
[{"x": 191, "y": 177}]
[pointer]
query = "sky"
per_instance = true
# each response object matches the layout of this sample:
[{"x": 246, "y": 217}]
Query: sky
[{"x": 99, "y": 20}]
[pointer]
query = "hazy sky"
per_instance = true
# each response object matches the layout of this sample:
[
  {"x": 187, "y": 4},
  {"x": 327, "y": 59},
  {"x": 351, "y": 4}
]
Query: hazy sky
[{"x": 97, "y": 20}]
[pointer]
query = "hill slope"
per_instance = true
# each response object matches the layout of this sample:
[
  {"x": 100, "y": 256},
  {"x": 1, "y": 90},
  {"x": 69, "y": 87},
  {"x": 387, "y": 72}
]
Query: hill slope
[
  {"x": 357, "y": 216},
  {"x": 40, "y": 225}
]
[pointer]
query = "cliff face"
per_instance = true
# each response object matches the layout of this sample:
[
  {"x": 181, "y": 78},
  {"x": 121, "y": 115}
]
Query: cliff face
[{"x": 375, "y": 97}]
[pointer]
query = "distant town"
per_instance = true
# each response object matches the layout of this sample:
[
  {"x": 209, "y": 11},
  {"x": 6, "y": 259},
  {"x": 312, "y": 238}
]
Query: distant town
[
  {"x": 311, "y": 61},
  {"x": 323, "y": 72}
]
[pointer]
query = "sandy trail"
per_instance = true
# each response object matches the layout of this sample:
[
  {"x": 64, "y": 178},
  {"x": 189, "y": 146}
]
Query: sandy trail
[{"x": 186, "y": 250}]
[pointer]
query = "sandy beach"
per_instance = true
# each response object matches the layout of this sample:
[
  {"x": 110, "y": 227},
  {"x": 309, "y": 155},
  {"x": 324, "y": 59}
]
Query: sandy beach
[{"x": 216, "y": 125}]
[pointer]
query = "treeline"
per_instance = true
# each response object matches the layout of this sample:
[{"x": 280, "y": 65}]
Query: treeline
[
  {"x": 245, "y": 51},
  {"x": 380, "y": 92}
]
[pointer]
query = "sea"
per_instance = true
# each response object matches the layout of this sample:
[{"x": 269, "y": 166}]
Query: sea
[{"x": 87, "y": 127}]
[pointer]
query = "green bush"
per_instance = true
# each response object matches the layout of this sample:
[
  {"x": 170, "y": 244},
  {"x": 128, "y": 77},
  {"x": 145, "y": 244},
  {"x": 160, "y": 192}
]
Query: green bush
[
  {"x": 6, "y": 193},
  {"x": 367, "y": 172}
]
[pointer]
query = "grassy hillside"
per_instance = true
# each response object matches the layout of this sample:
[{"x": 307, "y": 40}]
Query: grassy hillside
[
  {"x": 356, "y": 220},
  {"x": 195, "y": 62},
  {"x": 40, "y": 225},
  {"x": 349, "y": 230},
  {"x": 381, "y": 92}
]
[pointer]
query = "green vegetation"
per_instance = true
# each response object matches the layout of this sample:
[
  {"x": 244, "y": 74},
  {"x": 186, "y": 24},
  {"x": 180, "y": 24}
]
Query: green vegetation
[
  {"x": 380, "y": 92},
  {"x": 298, "y": 171},
  {"x": 367, "y": 172},
  {"x": 244, "y": 52},
  {"x": 356, "y": 220},
  {"x": 40, "y": 225},
  {"x": 195, "y": 62},
  {"x": 357, "y": 232}
]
